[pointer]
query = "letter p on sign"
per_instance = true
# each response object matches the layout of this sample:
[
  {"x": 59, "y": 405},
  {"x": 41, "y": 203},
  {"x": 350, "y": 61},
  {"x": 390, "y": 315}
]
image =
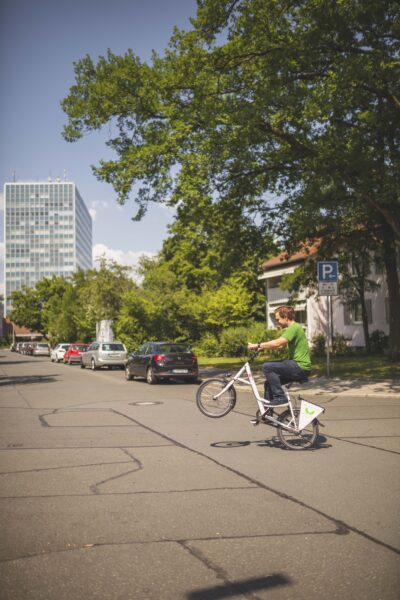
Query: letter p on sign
[{"x": 328, "y": 270}]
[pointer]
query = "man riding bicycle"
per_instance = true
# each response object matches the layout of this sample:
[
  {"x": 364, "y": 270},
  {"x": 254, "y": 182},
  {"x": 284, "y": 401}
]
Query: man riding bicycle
[{"x": 296, "y": 368}]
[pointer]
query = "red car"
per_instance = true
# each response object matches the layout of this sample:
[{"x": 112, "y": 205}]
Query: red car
[{"x": 74, "y": 352}]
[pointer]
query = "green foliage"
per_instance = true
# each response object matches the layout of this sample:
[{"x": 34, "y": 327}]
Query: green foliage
[
  {"x": 340, "y": 345},
  {"x": 5, "y": 341},
  {"x": 27, "y": 309},
  {"x": 297, "y": 99},
  {"x": 233, "y": 342},
  {"x": 105, "y": 287},
  {"x": 208, "y": 345},
  {"x": 318, "y": 345}
]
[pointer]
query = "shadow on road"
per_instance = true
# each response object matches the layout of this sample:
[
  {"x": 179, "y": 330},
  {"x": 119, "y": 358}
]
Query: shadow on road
[
  {"x": 244, "y": 586},
  {"x": 269, "y": 443},
  {"x": 27, "y": 379},
  {"x": 14, "y": 362}
]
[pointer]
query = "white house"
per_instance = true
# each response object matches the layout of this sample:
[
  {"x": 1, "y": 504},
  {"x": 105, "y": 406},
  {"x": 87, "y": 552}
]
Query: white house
[{"x": 312, "y": 310}]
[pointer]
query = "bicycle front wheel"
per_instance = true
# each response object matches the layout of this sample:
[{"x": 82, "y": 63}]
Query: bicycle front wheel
[
  {"x": 207, "y": 402},
  {"x": 306, "y": 438}
]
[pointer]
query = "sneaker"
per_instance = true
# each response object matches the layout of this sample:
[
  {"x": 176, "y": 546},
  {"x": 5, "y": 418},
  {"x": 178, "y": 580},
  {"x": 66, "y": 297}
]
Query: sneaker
[{"x": 278, "y": 401}]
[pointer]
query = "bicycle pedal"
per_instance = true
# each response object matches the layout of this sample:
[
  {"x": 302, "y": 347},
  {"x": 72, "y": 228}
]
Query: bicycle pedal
[{"x": 254, "y": 422}]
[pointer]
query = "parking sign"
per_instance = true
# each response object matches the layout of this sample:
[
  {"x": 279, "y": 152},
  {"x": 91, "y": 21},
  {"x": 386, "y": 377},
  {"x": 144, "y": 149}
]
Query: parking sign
[
  {"x": 327, "y": 277},
  {"x": 327, "y": 270}
]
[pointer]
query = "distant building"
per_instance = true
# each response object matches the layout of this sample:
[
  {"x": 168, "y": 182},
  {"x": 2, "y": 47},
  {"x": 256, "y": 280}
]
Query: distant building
[
  {"x": 47, "y": 231},
  {"x": 311, "y": 309}
]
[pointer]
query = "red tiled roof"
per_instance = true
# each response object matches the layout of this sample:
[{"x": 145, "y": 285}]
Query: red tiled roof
[
  {"x": 283, "y": 257},
  {"x": 18, "y": 330}
]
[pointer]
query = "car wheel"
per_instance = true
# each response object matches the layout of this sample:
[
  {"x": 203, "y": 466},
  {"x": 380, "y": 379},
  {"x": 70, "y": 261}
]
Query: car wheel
[
  {"x": 150, "y": 377},
  {"x": 82, "y": 365},
  {"x": 69, "y": 362},
  {"x": 93, "y": 365},
  {"x": 128, "y": 375}
]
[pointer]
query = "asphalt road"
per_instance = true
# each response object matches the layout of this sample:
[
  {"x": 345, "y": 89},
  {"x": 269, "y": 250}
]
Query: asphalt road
[{"x": 120, "y": 490}]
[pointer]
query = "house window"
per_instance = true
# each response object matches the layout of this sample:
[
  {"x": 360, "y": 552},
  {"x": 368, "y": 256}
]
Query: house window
[
  {"x": 353, "y": 313},
  {"x": 301, "y": 317}
]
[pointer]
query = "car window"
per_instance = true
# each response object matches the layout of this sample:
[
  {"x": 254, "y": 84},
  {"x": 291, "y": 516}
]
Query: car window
[
  {"x": 79, "y": 347},
  {"x": 142, "y": 349},
  {"x": 173, "y": 348},
  {"x": 112, "y": 347},
  {"x": 41, "y": 345}
]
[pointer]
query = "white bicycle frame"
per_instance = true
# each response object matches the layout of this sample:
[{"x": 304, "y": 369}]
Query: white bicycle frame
[{"x": 264, "y": 404}]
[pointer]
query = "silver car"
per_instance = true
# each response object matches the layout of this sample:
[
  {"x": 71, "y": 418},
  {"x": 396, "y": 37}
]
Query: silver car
[
  {"x": 41, "y": 350},
  {"x": 57, "y": 354},
  {"x": 102, "y": 354}
]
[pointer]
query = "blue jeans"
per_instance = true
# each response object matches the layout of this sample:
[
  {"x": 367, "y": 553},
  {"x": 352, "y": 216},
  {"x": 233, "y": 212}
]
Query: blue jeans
[{"x": 278, "y": 373}]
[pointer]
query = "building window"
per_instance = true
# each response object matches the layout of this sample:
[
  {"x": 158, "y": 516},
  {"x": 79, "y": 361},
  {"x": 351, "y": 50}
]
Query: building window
[{"x": 353, "y": 313}]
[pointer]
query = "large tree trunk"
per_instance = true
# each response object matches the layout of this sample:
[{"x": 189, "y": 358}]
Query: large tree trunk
[
  {"x": 365, "y": 324},
  {"x": 392, "y": 278}
]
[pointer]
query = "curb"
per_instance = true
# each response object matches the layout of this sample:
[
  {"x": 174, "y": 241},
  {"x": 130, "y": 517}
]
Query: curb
[{"x": 323, "y": 386}]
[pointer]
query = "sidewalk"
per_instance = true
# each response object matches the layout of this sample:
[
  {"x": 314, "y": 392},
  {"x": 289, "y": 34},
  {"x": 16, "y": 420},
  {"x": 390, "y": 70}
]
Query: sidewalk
[{"x": 324, "y": 386}]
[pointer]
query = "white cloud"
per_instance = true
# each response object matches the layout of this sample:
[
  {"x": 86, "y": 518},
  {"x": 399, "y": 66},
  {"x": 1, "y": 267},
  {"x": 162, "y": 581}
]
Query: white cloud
[
  {"x": 95, "y": 206},
  {"x": 125, "y": 258}
]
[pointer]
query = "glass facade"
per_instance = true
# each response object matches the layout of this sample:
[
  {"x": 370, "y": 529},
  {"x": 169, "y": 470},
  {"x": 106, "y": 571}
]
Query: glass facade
[{"x": 47, "y": 231}]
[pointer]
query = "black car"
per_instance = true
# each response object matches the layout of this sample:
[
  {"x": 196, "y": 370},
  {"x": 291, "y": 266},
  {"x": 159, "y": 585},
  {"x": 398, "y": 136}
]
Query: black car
[{"x": 162, "y": 360}]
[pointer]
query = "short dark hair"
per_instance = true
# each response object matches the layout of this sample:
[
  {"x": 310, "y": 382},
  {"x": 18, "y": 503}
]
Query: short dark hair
[{"x": 286, "y": 312}]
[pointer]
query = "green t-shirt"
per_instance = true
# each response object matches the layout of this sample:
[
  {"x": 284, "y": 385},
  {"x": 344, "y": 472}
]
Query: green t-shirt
[{"x": 298, "y": 346}]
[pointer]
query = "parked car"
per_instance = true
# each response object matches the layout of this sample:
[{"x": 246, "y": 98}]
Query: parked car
[
  {"x": 19, "y": 347},
  {"x": 24, "y": 347},
  {"x": 162, "y": 360},
  {"x": 74, "y": 352},
  {"x": 102, "y": 354},
  {"x": 13, "y": 347},
  {"x": 57, "y": 354},
  {"x": 28, "y": 349},
  {"x": 40, "y": 349}
]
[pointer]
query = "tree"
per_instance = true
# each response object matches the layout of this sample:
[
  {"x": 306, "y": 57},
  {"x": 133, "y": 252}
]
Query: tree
[
  {"x": 27, "y": 309},
  {"x": 299, "y": 99},
  {"x": 103, "y": 289}
]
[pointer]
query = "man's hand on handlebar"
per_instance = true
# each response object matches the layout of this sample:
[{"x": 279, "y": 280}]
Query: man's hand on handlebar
[{"x": 251, "y": 346}]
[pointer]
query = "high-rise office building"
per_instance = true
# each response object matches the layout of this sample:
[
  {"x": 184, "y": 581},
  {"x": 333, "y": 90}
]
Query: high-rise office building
[{"x": 47, "y": 231}]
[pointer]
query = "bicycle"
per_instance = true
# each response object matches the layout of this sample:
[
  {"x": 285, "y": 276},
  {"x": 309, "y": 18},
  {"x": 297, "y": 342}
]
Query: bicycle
[{"x": 298, "y": 427}]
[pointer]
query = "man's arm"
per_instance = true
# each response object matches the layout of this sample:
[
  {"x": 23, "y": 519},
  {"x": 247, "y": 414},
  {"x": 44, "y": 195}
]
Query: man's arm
[{"x": 278, "y": 343}]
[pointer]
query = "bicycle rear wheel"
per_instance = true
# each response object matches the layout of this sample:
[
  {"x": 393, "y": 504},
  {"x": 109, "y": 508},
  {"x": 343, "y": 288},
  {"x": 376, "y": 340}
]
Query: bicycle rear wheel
[
  {"x": 211, "y": 406},
  {"x": 306, "y": 438}
]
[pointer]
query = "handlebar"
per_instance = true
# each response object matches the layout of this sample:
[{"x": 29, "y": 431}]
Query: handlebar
[{"x": 253, "y": 355}]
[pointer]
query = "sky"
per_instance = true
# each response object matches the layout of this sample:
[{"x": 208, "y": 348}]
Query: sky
[{"x": 39, "y": 42}]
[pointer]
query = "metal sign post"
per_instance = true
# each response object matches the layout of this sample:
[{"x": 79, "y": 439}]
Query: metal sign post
[{"x": 328, "y": 286}]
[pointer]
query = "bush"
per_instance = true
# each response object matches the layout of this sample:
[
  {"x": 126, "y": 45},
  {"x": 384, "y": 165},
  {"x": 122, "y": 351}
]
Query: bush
[
  {"x": 379, "y": 341},
  {"x": 340, "y": 345},
  {"x": 278, "y": 353},
  {"x": 318, "y": 345},
  {"x": 233, "y": 342},
  {"x": 207, "y": 346},
  {"x": 6, "y": 341}
]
